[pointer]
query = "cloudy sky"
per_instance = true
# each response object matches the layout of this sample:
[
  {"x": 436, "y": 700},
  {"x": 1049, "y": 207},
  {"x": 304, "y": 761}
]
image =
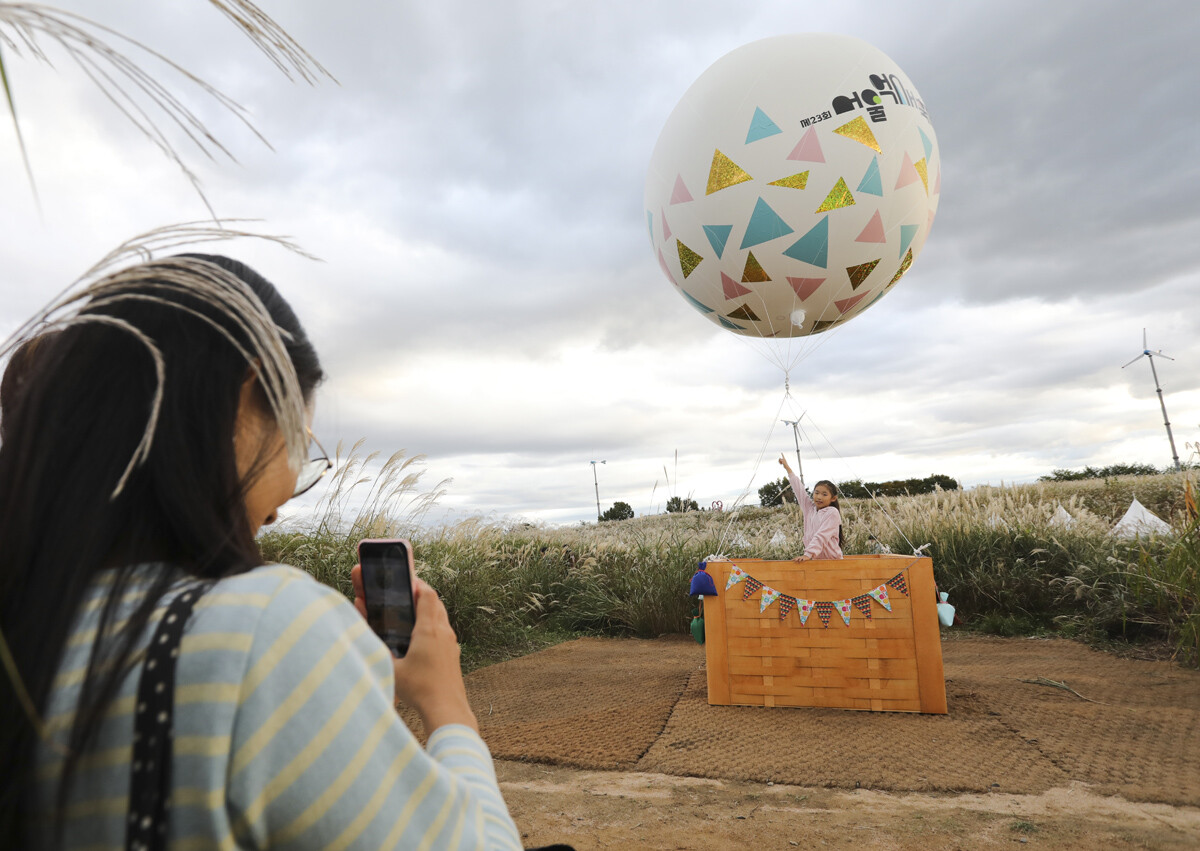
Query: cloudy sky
[{"x": 473, "y": 185}]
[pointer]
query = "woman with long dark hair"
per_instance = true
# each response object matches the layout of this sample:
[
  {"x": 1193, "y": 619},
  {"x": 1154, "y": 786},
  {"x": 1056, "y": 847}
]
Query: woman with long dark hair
[{"x": 157, "y": 425}]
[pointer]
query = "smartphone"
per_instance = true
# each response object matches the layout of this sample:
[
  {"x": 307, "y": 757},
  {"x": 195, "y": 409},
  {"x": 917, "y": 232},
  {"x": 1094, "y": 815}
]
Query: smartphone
[{"x": 387, "y": 569}]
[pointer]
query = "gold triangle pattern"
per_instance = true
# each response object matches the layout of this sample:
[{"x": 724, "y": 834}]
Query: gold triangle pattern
[
  {"x": 860, "y": 273},
  {"x": 754, "y": 272},
  {"x": 821, "y": 324},
  {"x": 724, "y": 173},
  {"x": 744, "y": 312},
  {"x": 688, "y": 259},
  {"x": 795, "y": 181},
  {"x": 860, "y": 131},
  {"x": 923, "y": 169},
  {"x": 908, "y": 258},
  {"x": 839, "y": 196}
]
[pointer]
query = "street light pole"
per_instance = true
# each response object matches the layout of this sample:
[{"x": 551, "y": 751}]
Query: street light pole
[{"x": 597, "y": 482}]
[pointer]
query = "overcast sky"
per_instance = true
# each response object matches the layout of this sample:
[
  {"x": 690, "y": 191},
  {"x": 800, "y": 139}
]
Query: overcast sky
[{"x": 473, "y": 183}]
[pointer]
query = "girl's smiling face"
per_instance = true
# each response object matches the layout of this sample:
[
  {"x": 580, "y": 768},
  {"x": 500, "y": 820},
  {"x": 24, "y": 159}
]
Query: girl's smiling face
[{"x": 822, "y": 497}]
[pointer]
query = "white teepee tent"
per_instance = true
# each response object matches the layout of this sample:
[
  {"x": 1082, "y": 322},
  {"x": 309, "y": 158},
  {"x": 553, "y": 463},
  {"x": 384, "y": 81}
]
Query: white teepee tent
[{"x": 1139, "y": 520}]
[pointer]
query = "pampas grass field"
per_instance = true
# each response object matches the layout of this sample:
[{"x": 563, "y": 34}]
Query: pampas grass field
[{"x": 1008, "y": 565}]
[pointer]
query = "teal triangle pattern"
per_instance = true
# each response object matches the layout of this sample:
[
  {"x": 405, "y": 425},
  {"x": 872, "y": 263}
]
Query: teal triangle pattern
[
  {"x": 761, "y": 127},
  {"x": 699, "y": 305},
  {"x": 907, "y": 232},
  {"x": 650, "y": 225},
  {"x": 926, "y": 144},
  {"x": 872, "y": 183},
  {"x": 718, "y": 235},
  {"x": 813, "y": 247},
  {"x": 732, "y": 326},
  {"x": 764, "y": 226}
]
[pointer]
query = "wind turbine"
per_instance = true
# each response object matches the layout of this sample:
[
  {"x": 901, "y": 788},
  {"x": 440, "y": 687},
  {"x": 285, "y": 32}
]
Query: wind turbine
[
  {"x": 1146, "y": 353},
  {"x": 795, "y": 424},
  {"x": 597, "y": 482}
]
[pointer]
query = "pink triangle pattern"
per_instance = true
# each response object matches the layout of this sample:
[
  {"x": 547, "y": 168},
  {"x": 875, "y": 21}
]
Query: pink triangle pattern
[
  {"x": 667, "y": 228},
  {"x": 937, "y": 184},
  {"x": 681, "y": 194},
  {"x": 805, "y": 287},
  {"x": 846, "y": 303},
  {"x": 732, "y": 288},
  {"x": 908, "y": 172},
  {"x": 873, "y": 232},
  {"x": 808, "y": 149}
]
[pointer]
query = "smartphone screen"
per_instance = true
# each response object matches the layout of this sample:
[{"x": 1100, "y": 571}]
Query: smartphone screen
[{"x": 387, "y": 590}]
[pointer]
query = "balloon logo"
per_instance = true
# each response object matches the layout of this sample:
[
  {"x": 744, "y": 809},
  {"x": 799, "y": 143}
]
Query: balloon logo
[{"x": 793, "y": 185}]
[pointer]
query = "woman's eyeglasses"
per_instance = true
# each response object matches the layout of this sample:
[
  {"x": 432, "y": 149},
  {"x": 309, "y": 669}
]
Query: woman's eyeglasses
[{"x": 313, "y": 469}]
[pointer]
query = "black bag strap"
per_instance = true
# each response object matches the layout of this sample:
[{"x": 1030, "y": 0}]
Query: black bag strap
[{"x": 153, "y": 727}]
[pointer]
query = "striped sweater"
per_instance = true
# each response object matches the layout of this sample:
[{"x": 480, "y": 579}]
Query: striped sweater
[{"x": 284, "y": 736}]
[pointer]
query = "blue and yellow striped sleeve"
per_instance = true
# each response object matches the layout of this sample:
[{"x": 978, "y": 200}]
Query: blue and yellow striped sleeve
[{"x": 318, "y": 756}]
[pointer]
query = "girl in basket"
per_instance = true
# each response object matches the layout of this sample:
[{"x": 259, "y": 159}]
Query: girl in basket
[{"x": 822, "y": 519}]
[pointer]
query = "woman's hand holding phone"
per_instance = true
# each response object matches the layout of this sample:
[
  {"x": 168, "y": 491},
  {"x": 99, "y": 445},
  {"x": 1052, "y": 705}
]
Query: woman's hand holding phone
[{"x": 429, "y": 676}]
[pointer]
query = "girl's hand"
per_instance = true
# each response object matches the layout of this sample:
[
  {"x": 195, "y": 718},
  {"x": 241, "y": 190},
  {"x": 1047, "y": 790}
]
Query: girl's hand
[{"x": 429, "y": 677}]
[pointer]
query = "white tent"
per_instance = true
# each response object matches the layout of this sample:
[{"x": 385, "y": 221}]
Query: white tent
[
  {"x": 1062, "y": 518},
  {"x": 1139, "y": 520},
  {"x": 778, "y": 539}
]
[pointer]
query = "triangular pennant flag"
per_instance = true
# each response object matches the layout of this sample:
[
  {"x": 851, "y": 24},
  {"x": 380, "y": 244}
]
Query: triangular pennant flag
[
  {"x": 744, "y": 312},
  {"x": 873, "y": 232},
  {"x": 688, "y": 259},
  {"x": 786, "y": 604},
  {"x": 859, "y": 131},
  {"x": 908, "y": 258},
  {"x": 752, "y": 585},
  {"x": 845, "y": 304},
  {"x": 824, "y": 611},
  {"x": 844, "y": 609},
  {"x": 804, "y": 287},
  {"x": 907, "y": 232},
  {"x": 761, "y": 127},
  {"x": 770, "y": 595},
  {"x": 863, "y": 603},
  {"x": 718, "y": 235},
  {"x": 696, "y": 303},
  {"x": 881, "y": 597},
  {"x": 732, "y": 288},
  {"x": 795, "y": 181},
  {"x": 839, "y": 196},
  {"x": 804, "y": 607},
  {"x": 857, "y": 274},
  {"x": 926, "y": 144},
  {"x": 754, "y": 273},
  {"x": 813, "y": 247},
  {"x": 680, "y": 195},
  {"x": 724, "y": 173},
  {"x": 808, "y": 149},
  {"x": 765, "y": 225},
  {"x": 871, "y": 182},
  {"x": 736, "y": 575},
  {"x": 908, "y": 173},
  {"x": 662, "y": 261},
  {"x": 898, "y": 582},
  {"x": 666, "y": 227}
]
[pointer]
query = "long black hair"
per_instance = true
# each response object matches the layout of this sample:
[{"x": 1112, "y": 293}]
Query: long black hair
[
  {"x": 86, "y": 393},
  {"x": 833, "y": 503}
]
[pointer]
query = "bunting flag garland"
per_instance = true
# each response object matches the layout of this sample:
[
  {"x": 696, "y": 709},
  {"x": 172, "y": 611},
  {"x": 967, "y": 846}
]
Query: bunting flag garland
[
  {"x": 824, "y": 608},
  {"x": 863, "y": 603},
  {"x": 786, "y": 604},
  {"x": 824, "y": 611}
]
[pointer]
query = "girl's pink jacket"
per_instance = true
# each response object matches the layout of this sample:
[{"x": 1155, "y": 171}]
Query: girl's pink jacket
[{"x": 820, "y": 527}]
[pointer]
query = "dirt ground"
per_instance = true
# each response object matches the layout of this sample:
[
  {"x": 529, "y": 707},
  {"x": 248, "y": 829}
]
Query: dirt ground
[{"x": 608, "y": 743}]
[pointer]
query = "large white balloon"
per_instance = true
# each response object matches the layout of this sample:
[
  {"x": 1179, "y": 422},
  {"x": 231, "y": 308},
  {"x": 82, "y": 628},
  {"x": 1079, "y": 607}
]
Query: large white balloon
[{"x": 793, "y": 185}]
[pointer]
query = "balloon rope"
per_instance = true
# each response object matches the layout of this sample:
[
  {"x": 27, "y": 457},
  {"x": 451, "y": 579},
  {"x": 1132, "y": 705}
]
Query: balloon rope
[{"x": 737, "y": 505}]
